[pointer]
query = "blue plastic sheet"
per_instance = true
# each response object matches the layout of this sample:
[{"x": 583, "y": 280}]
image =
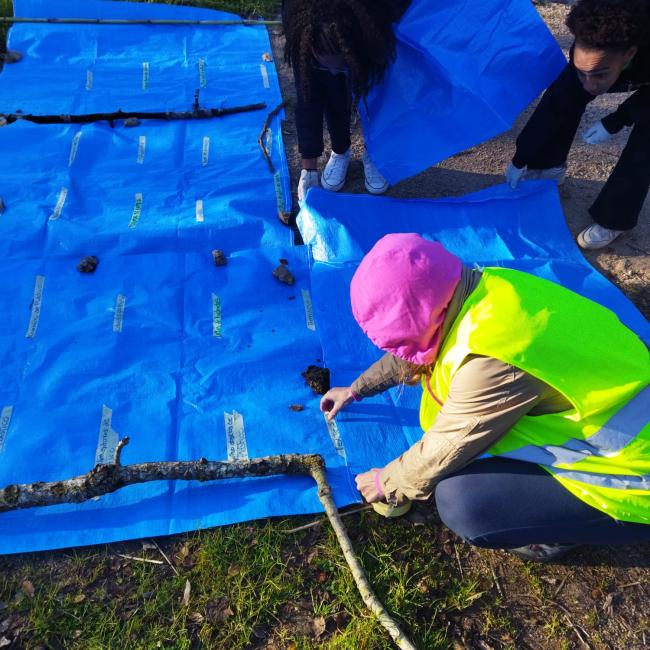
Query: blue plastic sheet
[
  {"x": 523, "y": 229},
  {"x": 186, "y": 359},
  {"x": 464, "y": 70}
]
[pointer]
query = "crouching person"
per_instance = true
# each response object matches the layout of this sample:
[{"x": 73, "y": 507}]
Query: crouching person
[{"x": 535, "y": 401}]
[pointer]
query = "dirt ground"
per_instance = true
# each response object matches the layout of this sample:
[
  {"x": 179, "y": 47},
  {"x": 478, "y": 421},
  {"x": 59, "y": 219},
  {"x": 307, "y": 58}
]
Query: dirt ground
[{"x": 625, "y": 262}]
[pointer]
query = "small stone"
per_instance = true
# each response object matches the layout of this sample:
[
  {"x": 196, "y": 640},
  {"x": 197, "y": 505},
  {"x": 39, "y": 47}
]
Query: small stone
[
  {"x": 219, "y": 257},
  {"x": 283, "y": 274},
  {"x": 267, "y": 57},
  {"x": 283, "y": 261},
  {"x": 88, "y": 264},
  {"x": 131, "y": 121},
  {"x": 296, "y": 407}
]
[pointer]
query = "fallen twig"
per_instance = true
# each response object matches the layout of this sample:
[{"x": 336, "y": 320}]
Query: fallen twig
[
  {"x": 139, "y": 559},
  {"x": 265, "y": 128},
  {"x": 174, "y": 569},
  {"x": 196, "y": 113},
  {"x": 311, "y": 524},
  {"x": 496, "y": 582},
  {"x": 103, "y": 479}
]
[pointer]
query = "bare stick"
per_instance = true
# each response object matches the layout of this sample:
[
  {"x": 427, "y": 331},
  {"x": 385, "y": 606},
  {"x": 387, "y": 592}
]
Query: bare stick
[
  {"x": 9, "y": 20},
  {"x": 322, "y": 520},
  {"x": 139, "y": 559},
  {"x": 103, "y": 479},
  {"x": 265, "y": 128},
  {"x": 195, "y": 114},
  {"x": 165, "y": 556}
]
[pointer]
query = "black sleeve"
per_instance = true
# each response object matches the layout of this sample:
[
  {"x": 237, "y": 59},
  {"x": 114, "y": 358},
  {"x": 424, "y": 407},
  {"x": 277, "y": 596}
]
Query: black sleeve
[
  {"x": 634, "y": 110},
  {"x": 556, "y": 117}
]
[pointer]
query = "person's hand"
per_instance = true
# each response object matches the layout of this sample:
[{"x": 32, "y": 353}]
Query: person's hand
[
  {"x": 514, "y": 175},
  {"x": 335, "y": 400},
  {"x": 369, "y": 485},
  {"x": 596, "y": 134}
]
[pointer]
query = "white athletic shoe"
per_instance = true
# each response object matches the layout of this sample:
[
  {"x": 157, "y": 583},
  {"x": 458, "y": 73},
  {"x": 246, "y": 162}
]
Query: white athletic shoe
[
  {"x": 333, "y": 177},
  {"x": 595, "y": 236},
  {"x": 308, "y": 178},
  {"x": 375, "y": 182},
  {"x": 551, "y": 174}
]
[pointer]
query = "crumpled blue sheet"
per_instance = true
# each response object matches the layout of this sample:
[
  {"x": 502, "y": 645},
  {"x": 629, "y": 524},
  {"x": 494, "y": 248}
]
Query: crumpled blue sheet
[
  {"x": 523, "y": 229},
  {"x": 464, "y": 70}
]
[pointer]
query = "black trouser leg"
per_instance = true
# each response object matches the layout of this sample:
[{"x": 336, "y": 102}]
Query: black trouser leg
[
  {"x": 338, "y": 103},
  {"x": 309, "y": 117},
  {"x": 547, "y": 137},
  {"x": 620, "y": 201}
]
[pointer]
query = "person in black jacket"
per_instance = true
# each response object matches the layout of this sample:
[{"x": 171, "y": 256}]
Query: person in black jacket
[
  {"x": 338, "y": 50},
  {"x": 611, "y": 53}
]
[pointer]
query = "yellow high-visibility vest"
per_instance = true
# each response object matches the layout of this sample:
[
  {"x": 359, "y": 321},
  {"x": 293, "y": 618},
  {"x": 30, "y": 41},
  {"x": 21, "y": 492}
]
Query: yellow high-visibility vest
[{"x": 600, "y": 449}]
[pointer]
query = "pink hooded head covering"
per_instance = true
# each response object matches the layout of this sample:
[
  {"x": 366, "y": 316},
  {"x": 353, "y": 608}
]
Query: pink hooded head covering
[{"x": 400, "y": 294}]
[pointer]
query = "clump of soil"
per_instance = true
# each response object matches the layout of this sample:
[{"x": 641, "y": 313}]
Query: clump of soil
[
  {"x": 219, "y": 257},
  {"x": 296, "y": 407},
  {"x": 283, "y": 261},
  {"x": 283, "y": 274},
  {"x": 88, "y": 264},
  {"x": 318, "y": 379}
]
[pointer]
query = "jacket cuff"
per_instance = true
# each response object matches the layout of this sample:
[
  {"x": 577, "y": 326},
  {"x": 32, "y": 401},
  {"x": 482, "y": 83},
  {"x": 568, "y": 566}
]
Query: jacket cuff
[
  {"x": 518, "y": 161},
  {"x": 613, "y": 122}
]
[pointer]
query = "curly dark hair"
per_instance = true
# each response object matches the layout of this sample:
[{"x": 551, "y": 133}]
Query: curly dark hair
[
  {"x": 610, "y": 24},
  {"x": 359, "y": 30}
]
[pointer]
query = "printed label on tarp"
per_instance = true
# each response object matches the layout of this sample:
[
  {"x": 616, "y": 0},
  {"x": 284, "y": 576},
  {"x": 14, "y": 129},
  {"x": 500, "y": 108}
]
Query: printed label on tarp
[
  {"x": 216, "y": 316},
  {"x": 235, "y": 436},
  {"x": 5, "y": 419},
  {"x": 268, "y": 142},
  {"x": 335, "y": 435},
  {"x": 202, "y": 77},
  {"x": 145, "y": 75},
  {"x": 279, "y": 194},
  {"x": 142, "y": 147},
  {"x": 74, "y": 147},
  {"x": 37, "y": 299},
  {"x": 205, "y": 155},
  {"x": 137, "y": 211},
  {"x": 58, "y": 208},
  {"x": 108, "y": 439},
  {"x": 118, "y": 318},
  {"x": 199, "y": 211},
  {"x": 309, "y": 310},
  {"x": 89, "y": 80},
  {"x": 265, "y": 76}
]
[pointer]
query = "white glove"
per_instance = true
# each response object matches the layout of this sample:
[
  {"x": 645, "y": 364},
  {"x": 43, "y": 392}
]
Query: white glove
[
  {"x": 514, "y": 175},
  {"x": 596, "y": 134}
]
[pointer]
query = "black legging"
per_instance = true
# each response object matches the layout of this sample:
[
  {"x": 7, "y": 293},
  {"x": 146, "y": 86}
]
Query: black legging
[{"x": 503, "y": 503}]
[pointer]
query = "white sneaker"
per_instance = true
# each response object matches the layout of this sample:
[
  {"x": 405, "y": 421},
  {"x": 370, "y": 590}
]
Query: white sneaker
[
  {"x": 596, "y": 236},
  {"x": 308, "y": 178},
  {"x": 551, "y": 174},
  {"x": 375, "y": 182},
  {"x": 333, "y": 177}
]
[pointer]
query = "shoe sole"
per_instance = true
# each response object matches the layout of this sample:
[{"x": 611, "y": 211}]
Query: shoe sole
[
  {"x": 374, "y": 190},
  {"x": 580, "y": 240},
  {"x": 332, "y": 188}
]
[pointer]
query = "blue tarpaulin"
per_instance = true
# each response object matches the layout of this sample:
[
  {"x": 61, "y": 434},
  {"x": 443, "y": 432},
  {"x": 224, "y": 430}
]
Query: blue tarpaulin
[{"x": 464, "y": 70}]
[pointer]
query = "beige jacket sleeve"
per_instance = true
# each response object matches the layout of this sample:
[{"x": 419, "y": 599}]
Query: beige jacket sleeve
[
  {"x": 382, "y": 375},
  {"x": 486, "y": 398}
]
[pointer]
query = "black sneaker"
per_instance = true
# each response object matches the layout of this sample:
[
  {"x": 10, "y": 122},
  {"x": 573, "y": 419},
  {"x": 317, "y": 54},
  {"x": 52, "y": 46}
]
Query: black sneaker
[{"x": 541, "y": 552}]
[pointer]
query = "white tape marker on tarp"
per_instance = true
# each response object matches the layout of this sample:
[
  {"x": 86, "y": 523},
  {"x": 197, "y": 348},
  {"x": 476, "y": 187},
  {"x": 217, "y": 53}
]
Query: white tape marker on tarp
[
  {"x": 205, "y": 154},
  {"x": 309, "y": 310},
  {"x": 199, "y": 211},
  {"x": 202, "y": 78},
  {"x": 137, "y": 210},
  {"x": 37, "y": 300},
  {"x": 89, "y": 80},
  {"x": 265, "y": 76},
  {"x": 60, "y": 202},
  {"x": 216, "y": 316},
  {"x": 107, "y": 440},
  {"x": 235, "y": 436},
  {"x": 335, "y": 435},
  {"x": 74, "y": 147},
  {"x": 145, "y": 75},
  {"x": 142, "y": 147},
  {"x": 118, "y": 318},
  {"x": 5, "y": 419}
]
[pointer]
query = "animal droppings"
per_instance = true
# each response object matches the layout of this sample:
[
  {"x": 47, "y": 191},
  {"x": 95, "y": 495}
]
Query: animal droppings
[
  {"x": 283, "y": 274},
  {"x": 219, "y": 257},
  {"x": 88, "y": 264}
]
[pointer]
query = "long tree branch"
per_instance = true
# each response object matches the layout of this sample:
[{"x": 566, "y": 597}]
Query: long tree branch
[
  {"x": 265, "y": 128},
  {"x": 10, "y": 20},
  {"x": 106, "y": 478},
  {"x": 195, "y": 114}
]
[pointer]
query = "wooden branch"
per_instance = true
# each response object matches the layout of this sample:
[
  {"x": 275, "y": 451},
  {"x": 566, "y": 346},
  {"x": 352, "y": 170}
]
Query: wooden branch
[
  {"x": 195, "y": 114},
  {"x": 103, "y": 479},
  {"x": 265, "y": 128},
  {"x": 10, "y": 20}
]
